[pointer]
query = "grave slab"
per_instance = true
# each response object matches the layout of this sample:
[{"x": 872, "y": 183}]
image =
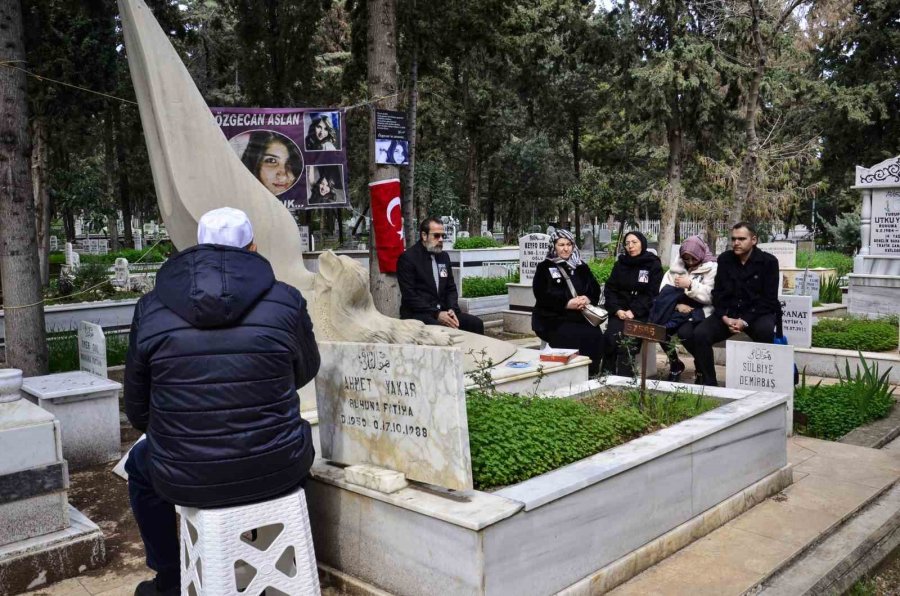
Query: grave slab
[
  {"x": 761, "y": 367},
  {"x": 87, "y": 407}
]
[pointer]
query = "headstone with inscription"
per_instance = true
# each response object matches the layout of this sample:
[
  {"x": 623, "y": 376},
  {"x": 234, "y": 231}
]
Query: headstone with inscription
[
  {"x": 785, "y": 252},
  {"x": 92, "y": 349},
  {"x": 604, "y": 236},
  {"x": 807, "y": 283},
  {"x": 885, "y": 223},
  {"x": 304, "y": 239},
  {"x": 796, "y": 320},
  {"x": 401, "y": 407},
  {"x": 69, "y": 252},
  {"x": 54, "y": 243},
  {"x": 138, "y": 240},
  {"x": 121, "y": 270},
  {"x": 761, "y": 367},
  {"x": 532, "y": 250}
]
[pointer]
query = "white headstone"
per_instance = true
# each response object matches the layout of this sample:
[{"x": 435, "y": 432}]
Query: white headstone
[
  {"x": 138, "y": 241},
  {"x": 76, "y": 260},
  {"x": 806, "y": 283},
  {"x": 94, "y": 246},
  {"x": 121, "y": 269},
  {"x": 69, "y": 252},
  {"x": 79, "y": 227},
  {"x": 761, "y": 367},
  {"x": 304, "y": 238},
  {"x": 796, "y": 320},
  {"x": 587, "y": 243},
  {"x": 532, "y": 250},
  {"x": 885, "y": 222},
  {"x": 604, "y": 236},
  {"x": 54, "y": 243},
  {"x": 401, "y": 407},
  {"x": 785, "y": 252},
  {"x": 92, "y": 348}
]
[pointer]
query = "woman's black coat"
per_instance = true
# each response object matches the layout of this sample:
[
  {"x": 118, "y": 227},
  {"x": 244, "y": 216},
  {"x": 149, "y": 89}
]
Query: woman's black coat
[
  {"x": 551, "y": 294},
  {"x": 633, "y": 284}
]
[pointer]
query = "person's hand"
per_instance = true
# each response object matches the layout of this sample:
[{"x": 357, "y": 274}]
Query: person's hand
[
  {"x": 447, "y": 318},
  {"x": 682, "y": 281},
  {"x": 628, "y": 314},
  {"x": 683, "y": 309},
  {"x": 577, "y": 303},
  {"x": 734, "y": 325}
]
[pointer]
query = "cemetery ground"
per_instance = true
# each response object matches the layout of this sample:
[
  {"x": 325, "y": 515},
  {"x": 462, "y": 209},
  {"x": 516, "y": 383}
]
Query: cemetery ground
[{"x": 834, "y": 486}]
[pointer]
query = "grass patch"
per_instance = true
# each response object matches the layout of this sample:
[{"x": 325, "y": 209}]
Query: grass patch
[
  {"x": 831, "y": 411},
  {"x": 826, "y": 258},
  {"x": 477, "y": 287},
  {"x": 475, "y": 242},
  {"x": 602, "y": 268},
  {"x": 62, "y": 348},
  {"x": 513, "y": 438},
  {"x": 849, "y": 333}
]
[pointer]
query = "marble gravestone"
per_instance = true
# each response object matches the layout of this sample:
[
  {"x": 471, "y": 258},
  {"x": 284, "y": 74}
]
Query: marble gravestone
[
  {"x": 138, "y": 240},
  {"x": 604, "y": 237},
  {"x": 304, "y": 239},
  {"x": 54, "y": 243},
  {"x": 796, "y": 321},
  {"x": 807, "y": 283},
  {"x": 401, "y": 407},
  {"x": 121, "y": 270},
  {"x": 761, "y": 367},
  {"x": 785, "y": 252},
  {"x": 587, "y": 244},
  {"x": 92, "y": 349},
  {"x": 532, "y": 250},
  {"x": 885, "y": 238}
]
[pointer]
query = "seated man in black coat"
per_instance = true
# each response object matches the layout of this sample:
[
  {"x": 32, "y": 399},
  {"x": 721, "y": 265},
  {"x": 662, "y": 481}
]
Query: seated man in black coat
[
  {"x": 427, "y": 290},
  {"x": 745, "y": 298},
  {"x": 216, "y": 354}
]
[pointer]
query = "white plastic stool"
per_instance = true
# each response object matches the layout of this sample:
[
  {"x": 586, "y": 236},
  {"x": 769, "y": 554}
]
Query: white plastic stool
[{"x": 245, "y": 550}]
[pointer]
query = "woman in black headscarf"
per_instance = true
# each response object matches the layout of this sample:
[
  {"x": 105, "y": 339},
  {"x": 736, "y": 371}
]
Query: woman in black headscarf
[
  {"x": 630, "y": 290},
  {"x": 557, "y": 317}
]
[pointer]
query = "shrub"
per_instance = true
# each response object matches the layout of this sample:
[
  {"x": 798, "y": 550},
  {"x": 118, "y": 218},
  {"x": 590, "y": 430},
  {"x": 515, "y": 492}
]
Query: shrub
[
  {"x": 826, "y": 258},
  {"x": 830, "y": 291},
  {"x": 513, "y": 438},
  {"x": 62, "y": 348},
  {"x": 831, "y": 411},
  {"x": 602, "y": 268},
  {"x": 475, "y": 242},
  {"x": 867, "y": 335},
  {"x": 477, "y": 287}
]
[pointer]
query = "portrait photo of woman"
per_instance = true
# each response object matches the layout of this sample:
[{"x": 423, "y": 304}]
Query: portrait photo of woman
[
  {"x": 325, "y": 185},
  {"x": 273, "y": 158},
  {"x": 323, "y": 131},
  {"x": 392, "y": 152}
]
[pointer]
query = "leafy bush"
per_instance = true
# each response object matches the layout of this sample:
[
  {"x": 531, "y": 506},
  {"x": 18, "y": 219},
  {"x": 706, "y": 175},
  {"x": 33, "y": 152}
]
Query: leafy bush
[
  {"x": 155, "y": 255},
  {"x": 62, "y": 349},
  {"x": 602, "y": 268},
  {"x": 867, "y": 335},
  {"x": 830, "y": 291},
  {"x": 513, "y": 437},
  {"x": 831, "y": 411},
  {"x": 477, "y": 287},
  {"x": 475, "y": 242},
  {"x": 826, "y": 258}
]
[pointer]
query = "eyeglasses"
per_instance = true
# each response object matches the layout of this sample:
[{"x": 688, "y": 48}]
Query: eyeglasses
[{"x": 438, "y": 235}]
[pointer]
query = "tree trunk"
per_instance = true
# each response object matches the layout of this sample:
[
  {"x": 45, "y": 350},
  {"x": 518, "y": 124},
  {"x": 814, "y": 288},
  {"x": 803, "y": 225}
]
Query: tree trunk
[
  {"x": 474, "y": 226},
  {"x": 382, "y": 75},
  {"x": 671, "y": 195},
  {"x": 745, "y": 189},
  {"x": 409, "y": 178},
  {"x": 26, "y": 344},
  {"x": 109, "y": 158},
  {"x": 42, "y": 211},
  {"x": 121, "y": 168},
  {"x": 576, "y": 159}
]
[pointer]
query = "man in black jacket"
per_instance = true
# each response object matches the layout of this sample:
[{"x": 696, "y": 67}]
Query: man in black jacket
[
  {"x": 745, "y": 298},
  {"x": 216, "y": 354},
  {"x": 427, "y": 290}
]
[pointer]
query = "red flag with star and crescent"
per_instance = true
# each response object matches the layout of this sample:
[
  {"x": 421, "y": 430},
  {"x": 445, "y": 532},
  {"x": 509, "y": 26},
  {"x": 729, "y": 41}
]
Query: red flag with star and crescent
[{"x": 387, "y": 222}]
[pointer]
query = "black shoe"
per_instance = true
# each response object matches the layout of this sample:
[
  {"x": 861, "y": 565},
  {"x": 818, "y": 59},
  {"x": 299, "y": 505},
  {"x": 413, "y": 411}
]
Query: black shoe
[
  {"x": 148, "y": 588},
  {"x": 675, "y": 370}
]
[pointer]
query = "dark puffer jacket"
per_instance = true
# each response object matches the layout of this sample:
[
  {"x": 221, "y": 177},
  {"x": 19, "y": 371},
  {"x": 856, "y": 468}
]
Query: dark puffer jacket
[{"x": 216, "y": 355}]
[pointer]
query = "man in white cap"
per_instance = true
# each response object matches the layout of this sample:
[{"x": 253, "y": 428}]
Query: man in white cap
[{"x": 216, "y": 354}]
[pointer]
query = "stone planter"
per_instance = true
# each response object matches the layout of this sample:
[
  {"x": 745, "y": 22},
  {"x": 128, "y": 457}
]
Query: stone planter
[
  {"x": 10, "y": 385},
  {"x": 476, "y": 262},
  {"x": 484, "y": 305},
  {"x": 571, "y": 527},
  {"x": 65, "y": 317}
]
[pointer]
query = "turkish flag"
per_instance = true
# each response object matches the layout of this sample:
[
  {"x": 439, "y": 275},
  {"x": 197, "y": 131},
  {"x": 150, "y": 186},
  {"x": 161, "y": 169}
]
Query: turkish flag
[{"x": 387, "y": 222}]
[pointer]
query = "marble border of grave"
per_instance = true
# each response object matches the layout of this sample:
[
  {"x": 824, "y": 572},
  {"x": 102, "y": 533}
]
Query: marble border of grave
[
  {"x": 87, "y": 407},
  {"x": 484, "y": 305},
  {"x": 553, "y": 531},
  {"x": 109, "y": 314},
  {"x": 471, "y": 262}
]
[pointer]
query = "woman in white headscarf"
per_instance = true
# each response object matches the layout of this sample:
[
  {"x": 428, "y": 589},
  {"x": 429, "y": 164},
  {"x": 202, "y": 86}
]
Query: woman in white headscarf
[{"x": 557, "y": 317}]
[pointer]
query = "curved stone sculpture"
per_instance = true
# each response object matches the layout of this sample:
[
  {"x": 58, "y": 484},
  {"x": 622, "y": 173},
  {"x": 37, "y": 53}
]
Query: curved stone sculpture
[{"x": 195, "y": 170}]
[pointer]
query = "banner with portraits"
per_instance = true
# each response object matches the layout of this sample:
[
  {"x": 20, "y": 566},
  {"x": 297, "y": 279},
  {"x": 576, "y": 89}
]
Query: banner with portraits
[{"x": 298, "y": 154}]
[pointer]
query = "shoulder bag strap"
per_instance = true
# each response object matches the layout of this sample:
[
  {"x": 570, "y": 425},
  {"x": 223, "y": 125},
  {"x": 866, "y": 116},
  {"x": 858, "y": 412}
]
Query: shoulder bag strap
[{"x": 565, "y": 275}]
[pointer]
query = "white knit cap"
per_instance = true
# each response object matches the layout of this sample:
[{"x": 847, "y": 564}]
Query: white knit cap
[{"x": 225, "y": 225}]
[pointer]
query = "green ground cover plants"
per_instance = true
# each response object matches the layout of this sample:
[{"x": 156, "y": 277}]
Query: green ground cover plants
[
  {"x": 513, "y": 437},
  {"x": 831, "y": 411},
  {"x": 601, "y": 268},
  {"x": 850, "y": 333},
  {"x": 62, "y": 348},
  {"x": 478, "y": 287},
  {"x": 828, "y": 259},
  {"x": 475, "y": 242}
]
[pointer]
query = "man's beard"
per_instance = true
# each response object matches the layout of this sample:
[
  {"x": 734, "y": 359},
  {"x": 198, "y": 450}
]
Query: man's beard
[{"x": 435, "y": 248}]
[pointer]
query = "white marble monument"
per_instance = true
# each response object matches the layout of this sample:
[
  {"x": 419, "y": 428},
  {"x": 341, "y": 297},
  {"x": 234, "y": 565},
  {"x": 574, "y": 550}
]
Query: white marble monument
[
  {"x": 761, "y": 367},
  {"x": 785, "y": 252},
  {"x": 532, "y": 250},
  {"x": 796, "y": 320},
  {"x": 401, "y": 407},
  {"x": 92, "y": 349}
]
